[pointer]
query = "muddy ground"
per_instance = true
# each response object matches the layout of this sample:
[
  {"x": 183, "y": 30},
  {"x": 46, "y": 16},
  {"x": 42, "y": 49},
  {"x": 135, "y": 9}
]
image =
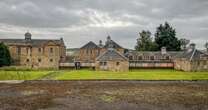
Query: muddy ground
[{"x": 104, "y": 95}]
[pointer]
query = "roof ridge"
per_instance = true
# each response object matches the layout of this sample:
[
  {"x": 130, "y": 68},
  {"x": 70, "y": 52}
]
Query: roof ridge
[
  {"x": 116, "y": 52},
  {"x": 192, "y": 55},
  {"x": 121, "y": 55},
  {"x": 101, "y": 55},
  {"x": 90, "y": 42}
]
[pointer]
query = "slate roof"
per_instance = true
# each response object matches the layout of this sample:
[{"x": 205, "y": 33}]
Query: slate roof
[
  {"x": 194, "y": 54},
  {"x": 110, "y": 43},
  {"x": 32, "y": 42},
  {"x": 153, "y": 53},
  {"x": 90, "y": 45},
  {"x": 111, "y": 55}
]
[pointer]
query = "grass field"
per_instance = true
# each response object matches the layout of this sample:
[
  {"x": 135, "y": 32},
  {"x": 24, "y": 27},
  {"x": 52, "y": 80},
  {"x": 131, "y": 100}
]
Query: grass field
[{"x": 140, "y": 74}]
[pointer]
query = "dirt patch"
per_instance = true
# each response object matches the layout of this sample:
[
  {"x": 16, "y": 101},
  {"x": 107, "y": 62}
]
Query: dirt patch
[{"x": 104, "y": 95}]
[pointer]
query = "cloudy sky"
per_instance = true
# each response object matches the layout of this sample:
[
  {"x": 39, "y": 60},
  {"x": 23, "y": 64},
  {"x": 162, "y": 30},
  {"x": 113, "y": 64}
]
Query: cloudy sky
[{"x": 80, "y": 21}]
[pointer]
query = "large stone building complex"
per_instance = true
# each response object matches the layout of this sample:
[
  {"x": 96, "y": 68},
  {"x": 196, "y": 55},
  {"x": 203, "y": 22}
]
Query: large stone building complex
[
  {"x": 40, "y": 53},
  {"x": 111, "y": 56},
  {"x": 36, "y": 53}
]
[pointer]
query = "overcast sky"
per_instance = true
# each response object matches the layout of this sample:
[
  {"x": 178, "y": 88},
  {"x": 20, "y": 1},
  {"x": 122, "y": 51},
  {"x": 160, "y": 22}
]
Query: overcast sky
[{"x": 80, "y": 21}]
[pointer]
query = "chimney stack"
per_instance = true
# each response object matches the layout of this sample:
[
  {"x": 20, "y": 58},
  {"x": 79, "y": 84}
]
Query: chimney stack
[{"x": 163, "y": 50}]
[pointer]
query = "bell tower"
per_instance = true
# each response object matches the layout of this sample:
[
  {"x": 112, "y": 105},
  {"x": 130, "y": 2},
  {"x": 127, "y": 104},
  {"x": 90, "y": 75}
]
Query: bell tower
[{"x": 28, "y": 36}]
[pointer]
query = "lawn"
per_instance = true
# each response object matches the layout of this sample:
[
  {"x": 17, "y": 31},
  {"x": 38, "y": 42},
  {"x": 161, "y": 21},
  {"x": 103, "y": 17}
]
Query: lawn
[
  {"x": 22, "y": 75},
  {"x": 140, "y": 74}
]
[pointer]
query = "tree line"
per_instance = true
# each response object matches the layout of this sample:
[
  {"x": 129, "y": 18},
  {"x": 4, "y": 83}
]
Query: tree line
[
  {"x": 165, "y": 36},
  {"x": 5, "y": 58}
]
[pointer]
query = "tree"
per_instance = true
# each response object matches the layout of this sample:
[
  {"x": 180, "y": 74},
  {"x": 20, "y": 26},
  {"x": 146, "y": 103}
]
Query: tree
[
  {"x": 206, "y": 46},
  {"x": 184, "y": 43},
  {"x": 5, "y": 58},
  {"x": 165, "y": 36},
  {"x": 144, "y": 42}
]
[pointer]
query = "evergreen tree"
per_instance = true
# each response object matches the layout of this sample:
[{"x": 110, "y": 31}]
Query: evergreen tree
[
  {"x": 144, "y": 42},
  {"x": 5, "y": 58},
  {"x": 165, "y": 36}
]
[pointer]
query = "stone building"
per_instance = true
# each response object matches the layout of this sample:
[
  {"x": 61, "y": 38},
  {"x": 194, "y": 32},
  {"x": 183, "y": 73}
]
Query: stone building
[
  {"x": 112, "y": 60},
  {"x": 151, "y": 59},
  {"x": 191, "y": 60},
  {"x": 113, "y": 57},
  {"x": 36, "y": 53},
  {"x": 88, "y": 53}
]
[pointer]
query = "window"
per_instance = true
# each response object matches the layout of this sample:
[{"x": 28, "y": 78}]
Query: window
[
  {"x": 27, "y": 50},
  {"x": 130, "y": 58},
  {"x": 167, "y": 57},
  {"x": 87, "y": 52},
  {"x": 39, "y": 50},
  {"x": 39, "y": 60},
  {"x": 152, "y": 58},
  {"x": 117, "y": 63},
  {"x": 27, "y": 60},
  {"x": 51, "y": 60},
  {"x": 204, "y": 62},
  {"x": 51, "y": 50},
  {"x": 18, "y": 50},
  {"x": 140, "y": 57},
  {"x": 103, "y": 63}
]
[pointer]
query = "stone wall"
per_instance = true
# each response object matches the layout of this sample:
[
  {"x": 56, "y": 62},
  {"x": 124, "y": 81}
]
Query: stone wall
[
  {"x": 186, "y": 65},
  {"x": 88, "y": 55},
  {"x": 182, "y": 64},
  {"x": 47, "y": 56},
  {"x": 113, "y": 66}
]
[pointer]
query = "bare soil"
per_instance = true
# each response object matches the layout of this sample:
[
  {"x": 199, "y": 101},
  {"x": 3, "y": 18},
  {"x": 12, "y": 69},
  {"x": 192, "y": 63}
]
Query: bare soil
[{"x": 104, "y": 95}]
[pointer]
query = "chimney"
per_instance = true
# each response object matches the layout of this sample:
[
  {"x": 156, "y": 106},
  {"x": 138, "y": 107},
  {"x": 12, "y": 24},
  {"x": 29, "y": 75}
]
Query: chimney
[
  {"x": 192, "y": 46},
  {"x": 163, "y": 50}
]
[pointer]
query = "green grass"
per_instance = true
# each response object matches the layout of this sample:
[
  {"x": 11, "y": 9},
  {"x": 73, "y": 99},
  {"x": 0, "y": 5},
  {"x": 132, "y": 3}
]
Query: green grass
[
  {"x": 149, "y": 74},
  {"x": 140, "y": 74},
  {"x": 22, "y": 75}
]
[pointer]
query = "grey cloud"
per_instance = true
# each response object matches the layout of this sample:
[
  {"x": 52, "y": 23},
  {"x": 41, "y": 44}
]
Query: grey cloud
[{"x": 79, "y": 21}]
